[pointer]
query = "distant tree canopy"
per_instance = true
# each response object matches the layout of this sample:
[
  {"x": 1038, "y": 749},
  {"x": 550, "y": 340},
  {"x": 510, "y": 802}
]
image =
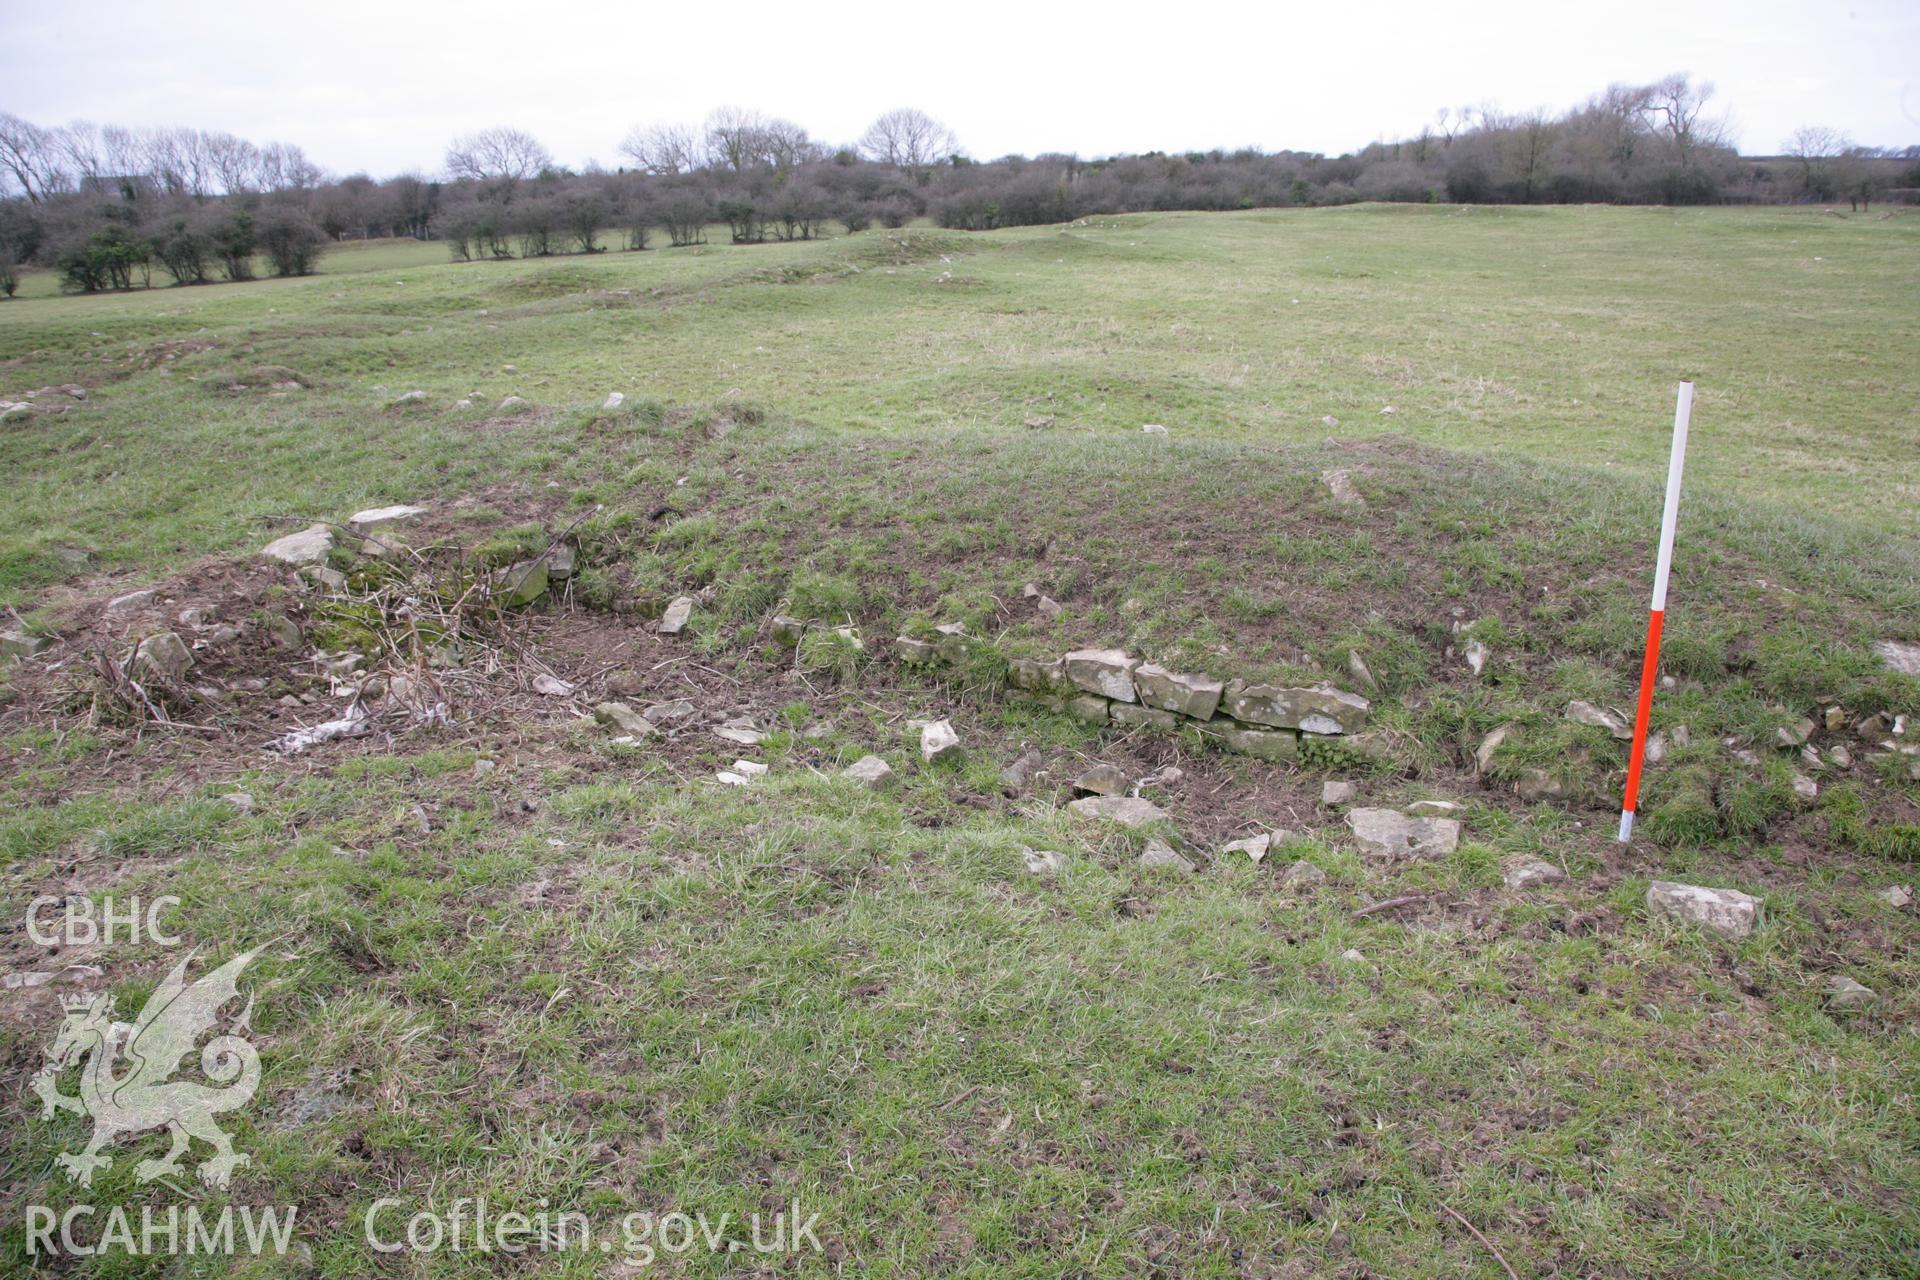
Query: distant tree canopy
[{"x": 105, "y": 206}]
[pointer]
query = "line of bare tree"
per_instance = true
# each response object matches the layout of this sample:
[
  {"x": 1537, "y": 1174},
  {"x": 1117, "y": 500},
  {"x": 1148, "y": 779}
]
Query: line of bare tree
[{"x": 108, "y": 207}]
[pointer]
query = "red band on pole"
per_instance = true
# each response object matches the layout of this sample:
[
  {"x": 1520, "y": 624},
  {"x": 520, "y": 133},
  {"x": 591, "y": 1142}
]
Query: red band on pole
[{"x": 1649, "y": 669}]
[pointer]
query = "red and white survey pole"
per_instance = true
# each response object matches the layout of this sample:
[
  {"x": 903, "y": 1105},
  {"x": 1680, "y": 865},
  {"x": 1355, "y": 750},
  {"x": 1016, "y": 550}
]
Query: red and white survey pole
[{"x": 1656, "y": 615}]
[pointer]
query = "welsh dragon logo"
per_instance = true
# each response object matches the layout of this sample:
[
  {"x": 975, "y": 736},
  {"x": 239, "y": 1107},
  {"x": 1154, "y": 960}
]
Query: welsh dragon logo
[{"x": 130, "y": 1089}]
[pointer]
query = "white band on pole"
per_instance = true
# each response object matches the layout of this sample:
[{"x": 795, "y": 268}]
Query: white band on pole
[{"x": 1670, "y": 516}]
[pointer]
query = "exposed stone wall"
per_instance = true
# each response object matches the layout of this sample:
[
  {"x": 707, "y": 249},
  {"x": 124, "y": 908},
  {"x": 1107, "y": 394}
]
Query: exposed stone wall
[{"x": 1108, "y": 686}]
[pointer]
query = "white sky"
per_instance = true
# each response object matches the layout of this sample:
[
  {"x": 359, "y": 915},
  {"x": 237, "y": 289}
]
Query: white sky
[{"x": 381, "y": 87}]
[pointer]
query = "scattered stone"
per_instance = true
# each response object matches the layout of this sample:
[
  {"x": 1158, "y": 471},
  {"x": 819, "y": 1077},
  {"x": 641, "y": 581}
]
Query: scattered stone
[
  {"x": 1362, "y": 676},
  {"x": 1303, "y": 875},
  {"x": 1107, "y": 672},
  {"x": 374, "y": 517},
  {"x": 750, "y": 768},
  {"x": 1339, "y": 482},
  {"x": 521, "y": 584},
  {"x": 513, "y": 404},
  {"x": 674, "y": 620},
  {"x": 613, "y": 401},
  {"x": 1477, "y": 654},
  {"x": 15, "y": 412},
  {"x": 1129, "y": 811},
  {"x": 1600, "y": 718},
  {"x": 18, "y": 643},
  {"x": 1794, "y": 736},
  {"x": 482, "y": 768},
  {"x": 240, "y": 802},
  {"x": 870, "y": 771},
  {"x": 1387, "y": 833},
  {"x": 406, "y": 398},
  {"x": 1656, "y": 748},
  {"x": 1805, "y": 788},
  {"x": 916, "y": 653},
  {"x": 1255, "y": 847},
  {"x": 308, "y": 547},
  {"x": 1529, "y": 875},
  {"x": 661, "y": 712},
  {"x": 1337, "y": 793},
  {"x": 1043, "y": 862},
  {"x": 731, "y": 779},
  {"x": 1352, "y": 956},
  {"x": 1900, "y": 656},
  {"x": 1314, "y": 710},
  {"x": 1844, "y": 993},
  {"x": 1835, "y": 718},
  {"x": 1329, "y": 421},
  {"x": 1017, "y": 777},
  {"x": 1048, "y": 607},
  {"x": 132, "y": 602},
  {"x": 163, "y": 657},
  {"x": 321, "y": 575},
  {"x": 1154, "y": 429},
  {"x": 1536, "y": 785},
  {"x": 1839, "y": 757},
  {"x": 463, "y": 403},
  {"x": 624, "y": 718},
  {"x": 1038, "y": 420},
  {"x": 1031, "y": 591},
  {"x": 785, "y": 630},
  {"x": 1197, "y": 697},
  {"x": 1102, "y": 780},
  {"x": 1896, "y": 896},
  {"x": 939, "y": 742},
  {"x": 624, "y": 683},
  {"x": 29, "y": 979},
  {"x": 1483, "y": 754},
  {"x": 551, "y": 686},
  {"x": 741, "y": 730},
  {"x": 1161, "y": 854},
  {"x": 1723, "y": 911}
]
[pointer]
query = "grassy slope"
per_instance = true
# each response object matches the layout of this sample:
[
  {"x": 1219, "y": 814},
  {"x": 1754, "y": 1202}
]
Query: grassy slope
[{"x": 721, "y": 999}]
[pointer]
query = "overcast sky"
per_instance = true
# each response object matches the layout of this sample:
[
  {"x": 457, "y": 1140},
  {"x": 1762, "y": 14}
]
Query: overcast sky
[{"x": 382, "y": 87}]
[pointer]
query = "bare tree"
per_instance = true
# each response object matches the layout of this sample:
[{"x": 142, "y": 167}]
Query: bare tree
[
  {"x": 29, "y": 156},
  {"x": 735, "y": 138},
  {"x": 785, "y": 146},
  {"x": 1675, "y": 108},
  {"x": 500, "y": 154},
  {"x": 909, "y": 139},
  {"x": 285, "y": 167},
  {"x": 1816, "y": 148},
  {"x": 235, "y": 162},
  {"x": 663, "y": 149}
]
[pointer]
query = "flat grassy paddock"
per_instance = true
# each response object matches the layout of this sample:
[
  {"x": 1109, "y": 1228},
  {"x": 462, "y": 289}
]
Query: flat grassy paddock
[{"x": 592, "y": 977}]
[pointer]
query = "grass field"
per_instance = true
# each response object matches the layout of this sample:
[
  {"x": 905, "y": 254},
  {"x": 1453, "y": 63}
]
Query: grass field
[{"x": 512, "y": 957}]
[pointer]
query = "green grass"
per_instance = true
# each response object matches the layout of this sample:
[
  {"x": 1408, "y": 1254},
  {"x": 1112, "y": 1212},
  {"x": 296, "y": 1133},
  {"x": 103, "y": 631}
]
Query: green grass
[{"x": 595, "y": 978}]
